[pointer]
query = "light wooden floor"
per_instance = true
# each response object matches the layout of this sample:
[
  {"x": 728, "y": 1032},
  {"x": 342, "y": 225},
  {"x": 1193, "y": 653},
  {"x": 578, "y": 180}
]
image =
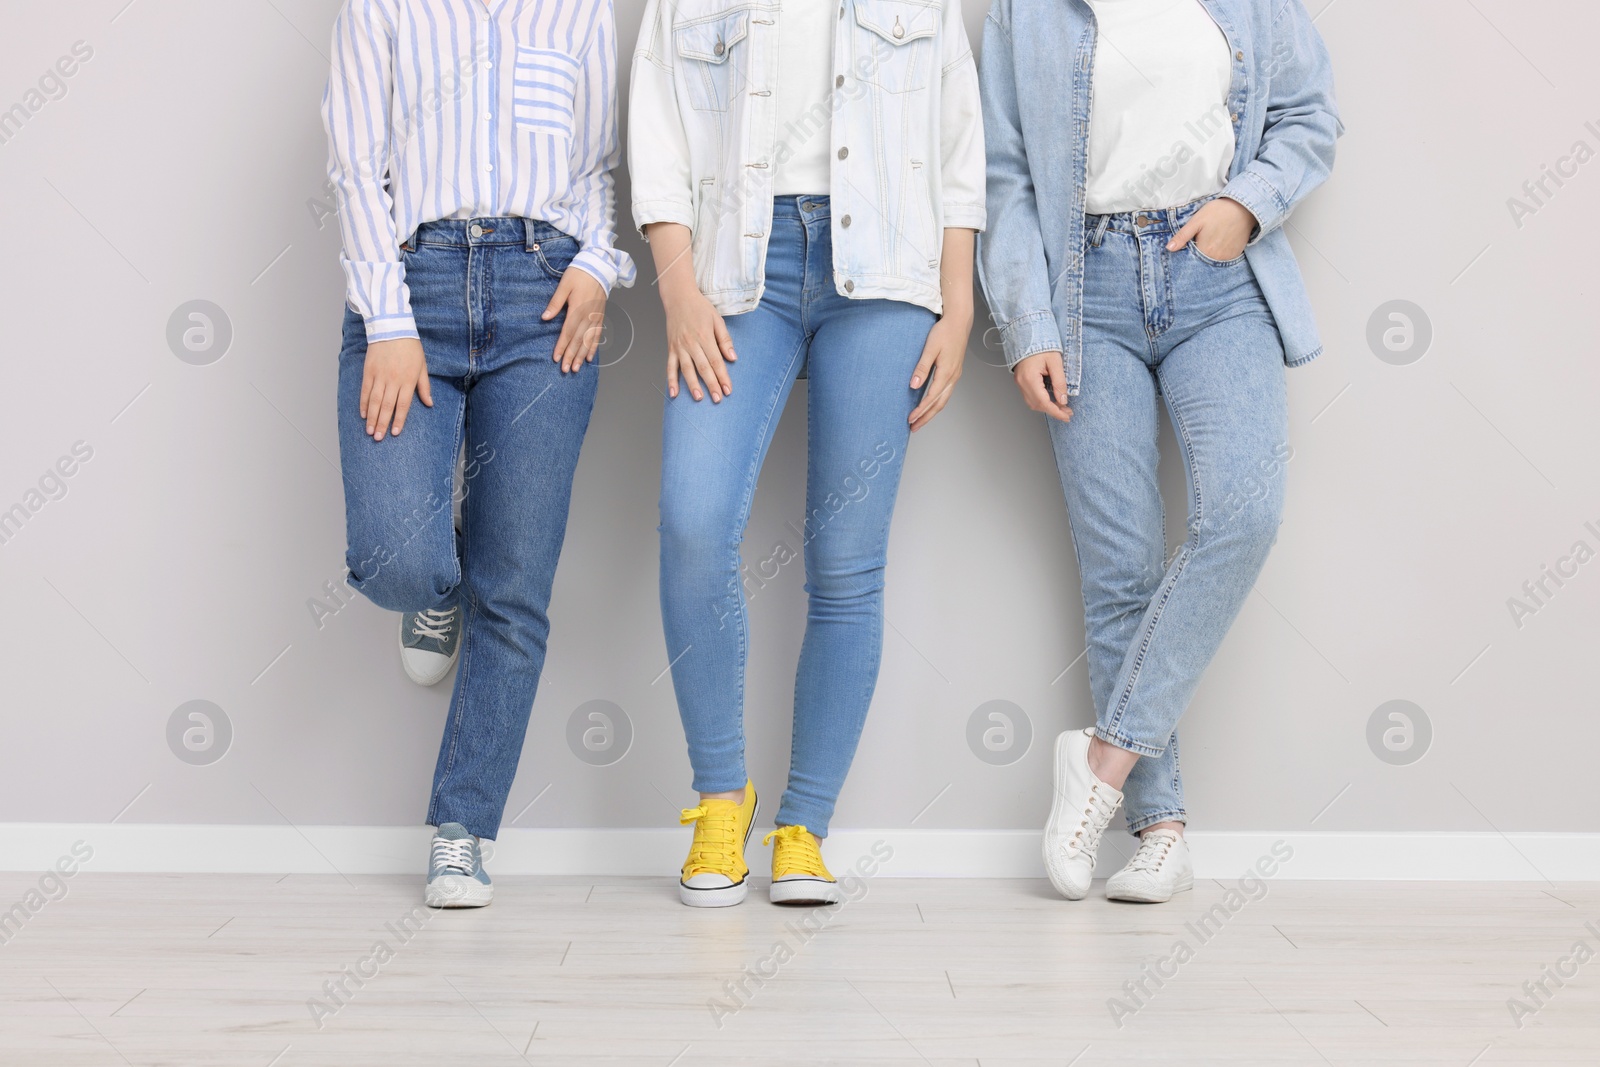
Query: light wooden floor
[{"x": 217, "y": 970}]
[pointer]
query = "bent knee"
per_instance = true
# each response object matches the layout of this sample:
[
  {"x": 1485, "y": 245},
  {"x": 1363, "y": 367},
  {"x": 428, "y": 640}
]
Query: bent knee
[{"x": 401, "y": 581}]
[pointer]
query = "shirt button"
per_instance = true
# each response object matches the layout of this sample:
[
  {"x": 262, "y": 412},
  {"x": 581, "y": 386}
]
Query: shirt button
[
  {"x": 845, "y": 222},
  {"x": 844, "y": 153},
  {"x": 838, "y": 82},
  {"x": 849, "y": 287}
]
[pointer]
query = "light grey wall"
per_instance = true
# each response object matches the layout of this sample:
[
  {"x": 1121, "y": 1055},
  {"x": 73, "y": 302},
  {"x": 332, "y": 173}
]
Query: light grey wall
[{"x": 185, "y": 162}]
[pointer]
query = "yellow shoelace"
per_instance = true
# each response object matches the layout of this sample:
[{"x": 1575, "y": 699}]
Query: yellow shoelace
[
  {"x": 796, "y": 853},
  {"x": 715, "y": 849}
]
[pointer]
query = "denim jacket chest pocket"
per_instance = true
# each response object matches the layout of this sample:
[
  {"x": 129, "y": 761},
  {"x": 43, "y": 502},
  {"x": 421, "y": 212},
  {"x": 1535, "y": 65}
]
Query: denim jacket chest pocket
[
  {"x": 711, "y": 56},
  {"x": 894, "y": 43}
]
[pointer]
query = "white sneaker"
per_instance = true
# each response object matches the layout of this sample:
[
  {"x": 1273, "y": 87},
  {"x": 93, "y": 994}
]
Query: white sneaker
[
  {"x": 1159, "y": 869},
  {"x": 1079, "y": 815}
]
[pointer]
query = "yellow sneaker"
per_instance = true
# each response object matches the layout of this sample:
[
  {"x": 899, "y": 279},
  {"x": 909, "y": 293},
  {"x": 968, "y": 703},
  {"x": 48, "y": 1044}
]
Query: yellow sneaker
[
  {"x": 715, "y": 872},
  {"x": 798, "y": 874}
]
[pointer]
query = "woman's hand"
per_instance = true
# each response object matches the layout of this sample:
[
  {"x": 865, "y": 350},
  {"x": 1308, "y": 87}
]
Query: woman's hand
[
  {"x": 1043, "y": 380},
  {"x": 585, "y": 300},
  {"x": 1220, "y": 229},
  {"x": 946, "y": 348},
  {"x": 943, "y": 355},
  {"x": 699, "y": 347},
  {"x": 395, "y": 371}
]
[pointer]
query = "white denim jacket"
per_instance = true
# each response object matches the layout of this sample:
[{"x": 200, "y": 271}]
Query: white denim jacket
[{"x": 904, "y": 127}]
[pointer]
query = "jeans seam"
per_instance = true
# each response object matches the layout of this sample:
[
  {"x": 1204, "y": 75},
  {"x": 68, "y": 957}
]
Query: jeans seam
[
  {"x": 751, "y": 478},
  {"x": 462, "y": 594},
  {"x": 1184, "y": 554}
]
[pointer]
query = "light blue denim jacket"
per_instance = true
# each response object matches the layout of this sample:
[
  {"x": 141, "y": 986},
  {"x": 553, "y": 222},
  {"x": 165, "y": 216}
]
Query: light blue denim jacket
[{"x": 1036, "y": 76}]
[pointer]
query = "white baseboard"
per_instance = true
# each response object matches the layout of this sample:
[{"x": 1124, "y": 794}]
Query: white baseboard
[{"x": 212, "y": 848}]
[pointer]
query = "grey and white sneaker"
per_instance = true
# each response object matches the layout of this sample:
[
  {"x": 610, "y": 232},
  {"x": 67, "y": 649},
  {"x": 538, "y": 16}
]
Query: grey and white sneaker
[
  {"x": 1079, "y": 814},
  {"x": 1159, "y": 869},
  {"x": 430, "y": 641},
  {"x": 456, "y": 878}
]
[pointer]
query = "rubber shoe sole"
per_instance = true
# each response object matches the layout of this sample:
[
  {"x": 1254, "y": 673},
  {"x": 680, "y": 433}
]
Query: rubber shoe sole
[
  {"x": 805, "y": 890},
  {"x": 457, "y": 891}
]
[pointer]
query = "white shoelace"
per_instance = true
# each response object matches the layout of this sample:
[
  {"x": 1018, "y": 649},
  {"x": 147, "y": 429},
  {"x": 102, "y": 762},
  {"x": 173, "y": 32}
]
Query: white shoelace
[
  {"x": 435, "y": 624},
  {"x": 454, "y": 854},
  {"x": 1153, "y": 850},
  {"x": 1096, "y": 817}
]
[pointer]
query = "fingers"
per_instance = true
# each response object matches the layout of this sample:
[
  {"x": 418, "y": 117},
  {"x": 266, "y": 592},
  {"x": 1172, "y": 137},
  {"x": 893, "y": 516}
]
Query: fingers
[
  {"x": 940, "y": 388},
  {"x": 1189, "y": 232},
  {"x": 672, "y": 373},
  {"x": 930, "y": 352},
  {"x": 558, "y": 300},
  {"x": 385, "y": 408},
  {"x": 713, "y": 371},
  {"x": 933, "y": 405},
  {"x": 1044, "y": 389},
  {"x": 686, "y": 367},
  {"x": 402, "y": 407},
  {"x": 425, "y": 388},
  {"x": 366, "y": 393},
  {"x": 719, "y": 330},
  {"x": 567, "y": 343}
]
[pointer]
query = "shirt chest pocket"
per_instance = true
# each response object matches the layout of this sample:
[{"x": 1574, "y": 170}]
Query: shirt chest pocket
[
  {"x": 544, "y": 90},
  {"x": 712, "y": 57},
  {"x": 895, "y": 41}
]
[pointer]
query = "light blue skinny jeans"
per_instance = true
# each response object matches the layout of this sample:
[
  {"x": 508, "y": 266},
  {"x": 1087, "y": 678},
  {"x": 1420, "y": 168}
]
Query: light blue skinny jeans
[
  {"x": 1181, "y": 328},
  {"x": 859, "y": 356}
]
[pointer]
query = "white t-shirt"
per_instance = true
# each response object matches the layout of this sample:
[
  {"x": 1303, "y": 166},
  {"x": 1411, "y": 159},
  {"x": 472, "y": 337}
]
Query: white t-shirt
[
  {"x": 802, "y": 97},
  {"x": 1159, "y": 130}
]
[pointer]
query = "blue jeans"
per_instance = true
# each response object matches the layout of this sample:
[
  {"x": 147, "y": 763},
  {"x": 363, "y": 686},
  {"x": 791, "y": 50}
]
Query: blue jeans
[
  {"x": 1196, "y": 334},
  {"x": 477, "y": 290},
  {"x": 858, "y": 356}
]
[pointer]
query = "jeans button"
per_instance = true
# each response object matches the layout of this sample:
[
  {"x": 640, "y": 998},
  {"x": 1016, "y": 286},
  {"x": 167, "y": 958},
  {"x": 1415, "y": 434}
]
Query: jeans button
[{"x": 476, "y": 230}]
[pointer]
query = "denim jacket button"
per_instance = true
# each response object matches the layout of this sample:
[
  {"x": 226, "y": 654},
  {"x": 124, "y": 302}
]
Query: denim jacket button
[
  {"x": 849, "y": 287},
  {"x": 845, "y": 222},
  {"x": 844, "y": 153},
  {"x": 838, "y": 82},
  {"x": 719, "y": 49}
]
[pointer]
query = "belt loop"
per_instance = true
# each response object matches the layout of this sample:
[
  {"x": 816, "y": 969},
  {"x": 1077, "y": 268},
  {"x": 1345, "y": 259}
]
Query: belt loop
[
  {"x": 530, "y": 235},
  {"x": 1102, "y": 223}
]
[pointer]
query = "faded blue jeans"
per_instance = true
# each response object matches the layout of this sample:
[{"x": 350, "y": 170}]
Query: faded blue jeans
[
  {"x": 477, "y": 290},
  {"x": 1180, "y": 328},
  {"x": 858, "y": 356}
]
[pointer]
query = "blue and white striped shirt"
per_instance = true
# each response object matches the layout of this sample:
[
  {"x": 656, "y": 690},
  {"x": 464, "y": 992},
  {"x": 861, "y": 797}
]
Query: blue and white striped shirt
[{"x": 457, "y": 109}]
